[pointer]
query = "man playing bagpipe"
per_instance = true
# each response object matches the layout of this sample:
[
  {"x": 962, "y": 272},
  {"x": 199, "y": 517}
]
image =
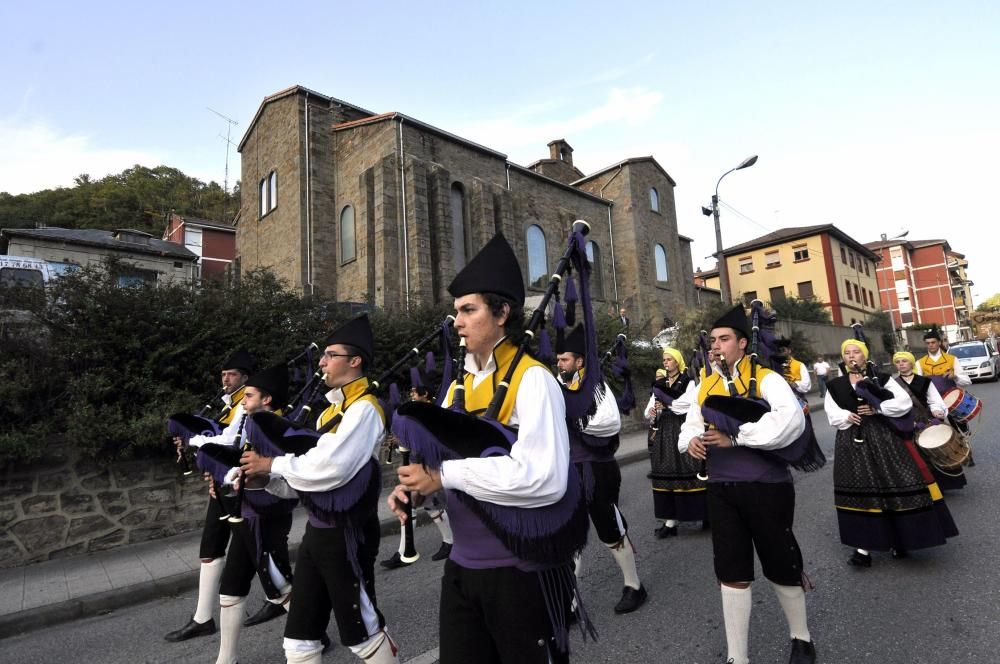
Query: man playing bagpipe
[
  {"x": 215, "y": 533},
  {"x": 592, "y": 445},
  {"x": 261, "y": 521},
  {"x": 794, "y": 372},
  {"x": 886, "y": 497},
  {"x": 435, "y": 507},
  {"x": 751, "y": 499},
  {"x": 338, "y": 481},
  {"x": 516, "y": 508}
]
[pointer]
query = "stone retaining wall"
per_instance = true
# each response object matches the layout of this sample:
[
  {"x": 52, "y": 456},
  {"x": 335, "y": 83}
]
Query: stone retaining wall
[{"x": 64, "y": 505}]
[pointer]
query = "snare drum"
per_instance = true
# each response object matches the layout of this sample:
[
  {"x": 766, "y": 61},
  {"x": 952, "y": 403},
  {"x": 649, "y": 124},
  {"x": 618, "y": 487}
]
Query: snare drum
[
  {"x": 944, "y": 447},
  {"x": 962, "y": 406}
]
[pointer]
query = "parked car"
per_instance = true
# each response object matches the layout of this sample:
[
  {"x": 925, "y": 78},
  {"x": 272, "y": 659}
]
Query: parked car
[{"x": 978, "y": 359}]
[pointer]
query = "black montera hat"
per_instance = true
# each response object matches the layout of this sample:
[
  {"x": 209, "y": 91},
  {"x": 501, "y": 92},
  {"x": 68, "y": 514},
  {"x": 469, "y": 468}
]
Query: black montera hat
[
  {"x": 241, "y": 360},
  {"x": 356, "y": 332},
  {"x": 493, "y": 270},
  {"x": 573, "y": 342},
  {"x": 933, "y": 333},
  {"x": 274, "y": 381},
  {"x": 783, "y": 342},
  {"x": 735, "y": 318}
]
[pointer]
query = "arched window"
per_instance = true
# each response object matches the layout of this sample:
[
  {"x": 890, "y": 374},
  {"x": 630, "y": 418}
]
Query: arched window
[
  {"x": 596, "y": 274},
  {"x": 273, "y": 198},
  {"x": 263, "y": 197},
  {"x": 537, "y": 265},
  {"x": 660, "y": 255},
  {"x": 654, "y": 199},
  {"x": 348, "y": 248},
  {"x": 458, "y": 225}
]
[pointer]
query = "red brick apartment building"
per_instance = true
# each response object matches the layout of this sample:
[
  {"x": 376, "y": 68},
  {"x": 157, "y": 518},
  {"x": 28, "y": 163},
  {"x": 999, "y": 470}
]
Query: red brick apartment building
[{"x": 212, "y": 242}]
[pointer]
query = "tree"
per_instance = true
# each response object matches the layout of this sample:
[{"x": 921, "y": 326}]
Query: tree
[
  {"x": 806, "y": 310},
  {"x": 990, "y": 304}
]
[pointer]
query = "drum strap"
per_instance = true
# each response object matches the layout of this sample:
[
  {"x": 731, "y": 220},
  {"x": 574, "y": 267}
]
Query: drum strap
[{"x": 924, "y": 415}]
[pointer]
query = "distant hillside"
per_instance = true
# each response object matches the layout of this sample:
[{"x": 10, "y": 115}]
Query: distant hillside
[{"x": 138, "y": 197}]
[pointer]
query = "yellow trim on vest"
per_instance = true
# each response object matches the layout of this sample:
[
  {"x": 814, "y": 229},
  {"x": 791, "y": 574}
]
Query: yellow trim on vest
[
  {"x": 679, "y": 490},
  {"x": 794, "y": 369},
  {"x": 234, "y": 400},
  {"x": 477, "y": 398},
  {"x": 353, "y": 392},
  {"x": 715, "y": 384}
]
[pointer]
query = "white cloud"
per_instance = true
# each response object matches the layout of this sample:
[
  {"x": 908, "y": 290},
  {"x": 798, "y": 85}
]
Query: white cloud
[{"x": 36, "y": 157}]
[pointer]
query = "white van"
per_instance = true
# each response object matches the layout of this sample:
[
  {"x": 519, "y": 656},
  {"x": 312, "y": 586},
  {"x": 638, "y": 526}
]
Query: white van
[{"x": 23, "y": 271}]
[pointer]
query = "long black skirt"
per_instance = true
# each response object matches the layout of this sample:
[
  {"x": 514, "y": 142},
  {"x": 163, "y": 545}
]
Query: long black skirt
[
  {"x": 885, "y": 495},
  {"x": 677, "y": 493}
]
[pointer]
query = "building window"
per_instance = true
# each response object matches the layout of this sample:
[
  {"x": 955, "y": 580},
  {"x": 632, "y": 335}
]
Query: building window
[
  {"x": 746, "y": 265},
  {"x": 537, "y": 263},
  {"x": 654, "y": 199},
  {"x": 777, "y": 293},
  {"x": 843, "y": 256},
  {"x": 192, "y": 240},
  {"x": 660, "y": 255},
  {"x": 864, "y": 296},
  {"x": 867, "y": 273},
  {"x": 857, "y": 294},
  {"x": 850, "y": 259},
  {"x": 847, "y": 284},
  {"x": 772, "y": 259},
  {"x": 263, "y": 197},
  {"x": 273, "y": 198},
  {"x": 458, "y": 226},
  {"x": 348, "y": 244},
  {"x": 800, "y": 253},
  {"x": 596, "y": 275},
  {"x": 748, "y": 297},
  {"x": 805, "y": 289},
  {"x": 268, "y": 193},
  {"x": 178, "y": 265}
]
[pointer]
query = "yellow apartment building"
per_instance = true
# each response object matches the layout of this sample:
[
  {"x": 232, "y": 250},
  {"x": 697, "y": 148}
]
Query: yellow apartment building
[{"x": 819, "y": 262}]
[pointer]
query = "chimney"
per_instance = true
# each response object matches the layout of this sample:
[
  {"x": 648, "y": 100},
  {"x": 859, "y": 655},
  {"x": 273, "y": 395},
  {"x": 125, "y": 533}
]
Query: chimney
[{"x": 560, "y": 150}]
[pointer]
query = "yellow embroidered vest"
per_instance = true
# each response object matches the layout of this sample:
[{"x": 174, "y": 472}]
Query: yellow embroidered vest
[
  {"x": 714, "y": 384},
  {"x": 944, "y": 364},
  {"x": 353, "y": 392},
  {"x": 478, "y": 398},
  {"x": 794, "y": 370},
  {"x": 234, "y": 400}
]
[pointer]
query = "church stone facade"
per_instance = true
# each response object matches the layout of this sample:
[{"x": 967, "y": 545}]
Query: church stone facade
[{"x": 385, "y": 209}]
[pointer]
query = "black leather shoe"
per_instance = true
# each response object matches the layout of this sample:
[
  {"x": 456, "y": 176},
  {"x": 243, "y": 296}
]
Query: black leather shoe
[
  {"x": 803, "y": 652},
  {"x": 665, "y": 531},
  {"x": 443, "y": 552},
  {"x": 394, "y": 562},
  {"x": 269, "y": 611},
  {"x": 631, "y": 599},
  {"x": 859, "y": 559},
  {"x": 191, "y": 630}
]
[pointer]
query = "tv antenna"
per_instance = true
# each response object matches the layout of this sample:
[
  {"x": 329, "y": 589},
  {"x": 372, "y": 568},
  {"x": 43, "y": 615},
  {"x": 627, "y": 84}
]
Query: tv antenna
[{"x": 230, "y": 123}]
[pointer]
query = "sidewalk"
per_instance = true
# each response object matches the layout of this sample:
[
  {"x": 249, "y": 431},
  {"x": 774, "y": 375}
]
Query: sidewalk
[{"x": 56, "y": 591}]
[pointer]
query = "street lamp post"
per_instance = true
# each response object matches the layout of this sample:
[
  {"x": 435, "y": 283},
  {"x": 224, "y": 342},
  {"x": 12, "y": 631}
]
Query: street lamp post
[{"x": 723, "y": 270}]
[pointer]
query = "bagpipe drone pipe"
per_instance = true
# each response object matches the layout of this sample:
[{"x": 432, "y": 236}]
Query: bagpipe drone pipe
[
  {"x": 187, "y": 425},
  {"x": 728, "y": 413}
]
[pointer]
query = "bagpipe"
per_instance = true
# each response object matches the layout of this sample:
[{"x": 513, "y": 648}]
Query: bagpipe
[
  {"x": 187, "y": 425},
  {"x": 548, "y": 535},
  {"x": 617, "y": 355},
  {"x": 871, "y": 391},
  {"x": 728, "y": 413}
]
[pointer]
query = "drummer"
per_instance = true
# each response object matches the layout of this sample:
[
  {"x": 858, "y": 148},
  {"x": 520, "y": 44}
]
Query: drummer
[
  {"x": 928, "y": 403},
  {"x": 939, "y": 365}
]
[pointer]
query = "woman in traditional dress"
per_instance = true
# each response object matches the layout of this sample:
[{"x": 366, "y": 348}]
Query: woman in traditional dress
[
  {"x": 886, "y": 498},
  {"x": 929, "y": 409},
  {"x": 678, "y": 495}
]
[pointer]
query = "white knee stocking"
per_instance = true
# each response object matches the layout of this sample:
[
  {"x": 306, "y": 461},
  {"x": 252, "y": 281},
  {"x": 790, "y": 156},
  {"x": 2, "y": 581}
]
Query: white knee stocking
[
  {"x": 209, "y": 579},
  {"x": 793, "y": 603},
  {"x": 736, "y": 605},
  {"x": 230, "y": 624}
]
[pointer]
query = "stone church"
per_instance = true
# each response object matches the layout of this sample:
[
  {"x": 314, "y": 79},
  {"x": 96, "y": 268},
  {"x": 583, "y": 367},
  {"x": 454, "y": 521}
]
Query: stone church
[{"x": 385, "y": 209}]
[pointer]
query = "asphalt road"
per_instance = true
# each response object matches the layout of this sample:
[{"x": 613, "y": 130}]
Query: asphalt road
[{"x": 941, "y": 604}]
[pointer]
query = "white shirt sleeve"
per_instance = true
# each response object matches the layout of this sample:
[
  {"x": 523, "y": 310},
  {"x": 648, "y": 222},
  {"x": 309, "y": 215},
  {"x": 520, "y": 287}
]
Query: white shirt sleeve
[
  {"x": 917, "y": 369},
  {"x": 961, "y": 378},
  {"x": 804, "y": 383},
  {"x": 835, "y": 415},
  {"x": 227, "y": 436},
  {"x": 782, "y": 425},
  {"x": 694, "y": 426},
  {"x": 534, "y": 473},
  {"x": 899, "y": 405},
  {"x": 650, "y": 411},
  {"x": 606, "y": 421},
  {"x": 338, "y": 456},
  {"x": 935, "y": 403},
  {"x": 686, "y": 401}
]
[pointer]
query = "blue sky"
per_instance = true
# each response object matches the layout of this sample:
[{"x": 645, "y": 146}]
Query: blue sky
[{"x": 877, "y": 117}]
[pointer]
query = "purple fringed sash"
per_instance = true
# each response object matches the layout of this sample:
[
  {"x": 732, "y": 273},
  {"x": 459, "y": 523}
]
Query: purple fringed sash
[
  {"x": 547, "y": 535},
  {"x": 187, "y": 425}
]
